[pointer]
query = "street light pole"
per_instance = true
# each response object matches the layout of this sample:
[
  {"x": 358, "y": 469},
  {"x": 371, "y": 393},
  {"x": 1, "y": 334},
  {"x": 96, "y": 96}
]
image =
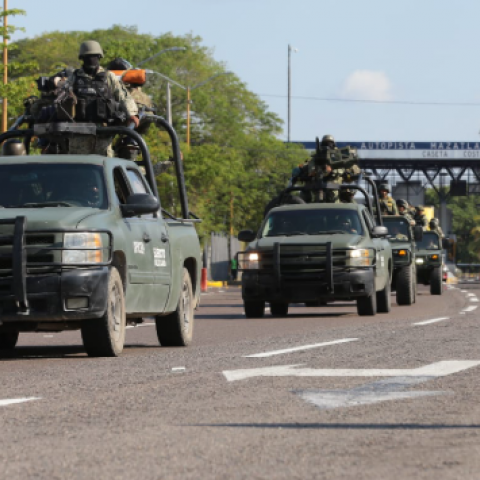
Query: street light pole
[
  {"x": 189, "y": 100},
  {"x": 5, "y": 68},
  {"x": 289, "y": 95}
]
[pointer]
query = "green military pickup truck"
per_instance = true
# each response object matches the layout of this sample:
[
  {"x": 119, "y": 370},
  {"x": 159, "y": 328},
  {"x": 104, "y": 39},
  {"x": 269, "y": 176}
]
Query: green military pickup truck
[
  {"x": 85, "y": 245},
  {"x": 402, "y": 238},
  {"x": 430, "y": 262},
  {"x": 316, "y": 253}
]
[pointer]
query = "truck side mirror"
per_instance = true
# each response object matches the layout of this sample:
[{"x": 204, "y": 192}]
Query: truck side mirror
[
  {"x": 379, "y": 231},
  {"x": 418, "y": 233},
  {"x": 140, "y": 204},
  {"x": 445, "y": 243},
  {"x": 246, "y": 236}
]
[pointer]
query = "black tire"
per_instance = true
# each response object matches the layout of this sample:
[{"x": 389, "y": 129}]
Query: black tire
[
  {"x": 287, "y": 200},
  {"x": 436, "y": 286},
  {"x": 384, "y": 299},
  {"x": 8, "y": 340},
  {"x": 105, "y": 337},
  {"x": 254, "y": 308},
  {"x": 367, "y": 305},
  {"x": 279, "y": 309},
  {"x": 176, "y": 328},
  {"x": 404, "y": 286}
]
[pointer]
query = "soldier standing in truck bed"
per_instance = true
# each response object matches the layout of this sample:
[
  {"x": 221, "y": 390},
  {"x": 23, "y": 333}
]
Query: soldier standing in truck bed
[
  {"x": 387, "y": 203},
  {"x": 420, "y": 218}
]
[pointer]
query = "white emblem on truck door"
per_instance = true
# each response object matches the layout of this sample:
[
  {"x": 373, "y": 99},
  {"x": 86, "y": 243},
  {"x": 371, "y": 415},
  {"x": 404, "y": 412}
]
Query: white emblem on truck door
[
  {"x": 139, "y": 247},
  {"x": 159, "y": 257}
]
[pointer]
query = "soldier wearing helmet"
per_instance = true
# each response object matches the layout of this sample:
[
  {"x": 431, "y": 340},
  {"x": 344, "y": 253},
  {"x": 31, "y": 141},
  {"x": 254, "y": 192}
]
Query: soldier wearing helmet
[
  {"x": 387, "y": 203},
  {"x": 402, "y": 206},
  {"x": 434, "y": 226},
  {"x": 13, "y": 147},
  {"x": 100, "y": 96},
  {"x": 346, "y": 195},
  {"x": 420, "y": 218},
  {"x": 328, "y": 141}
]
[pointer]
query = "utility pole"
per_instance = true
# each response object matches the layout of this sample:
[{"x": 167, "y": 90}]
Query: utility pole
[
  {"x": 5, "y": 68},
  {"x": 289, "y": 95},
  {"x": 188, "y": 116},
  {"x": 169, "y": 104}
]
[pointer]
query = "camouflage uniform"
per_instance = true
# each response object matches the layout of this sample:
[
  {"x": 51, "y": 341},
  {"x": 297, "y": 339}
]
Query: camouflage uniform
[
  {"x": 420, "y": 218},
  {"x": 435, "y": 227},
  {"x": 388, "y": 206}
]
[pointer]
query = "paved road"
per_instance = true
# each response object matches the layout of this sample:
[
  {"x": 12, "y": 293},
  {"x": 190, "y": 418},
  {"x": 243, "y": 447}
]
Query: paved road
[{"x": 319, "y": 394}]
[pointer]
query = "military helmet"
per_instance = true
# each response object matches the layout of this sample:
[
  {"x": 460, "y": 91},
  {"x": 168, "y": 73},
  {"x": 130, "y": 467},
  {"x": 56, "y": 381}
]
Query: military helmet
[
  {"x": 13, "y": 147},
  {"x": 327, "y": 139},
  {"x": 402, "y": 203},
  {"x": 419, "y": 208},
  {"x": 119, "y": 64},
  {"x": 433, "y": 223},
  {"x": 90, "y": 47},
  {"x": 384, "y": 186}
]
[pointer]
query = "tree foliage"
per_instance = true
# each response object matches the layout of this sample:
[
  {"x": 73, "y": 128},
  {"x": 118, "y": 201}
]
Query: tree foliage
[{"x": 235, "y": 164}]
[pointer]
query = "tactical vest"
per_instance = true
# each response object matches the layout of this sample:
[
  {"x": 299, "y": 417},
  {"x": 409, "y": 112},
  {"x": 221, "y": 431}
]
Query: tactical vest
[
  {"x": 95, "y": 101},
  {"x": 386, "y": 206}
]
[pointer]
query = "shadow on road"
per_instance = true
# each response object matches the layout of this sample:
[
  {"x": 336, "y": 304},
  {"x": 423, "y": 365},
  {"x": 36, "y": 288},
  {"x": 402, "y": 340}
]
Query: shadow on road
[{"x": 343, "y": 426}]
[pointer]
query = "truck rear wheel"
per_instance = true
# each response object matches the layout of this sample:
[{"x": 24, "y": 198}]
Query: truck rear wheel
[
  {"x": 279, "y": 309},
  {"x": 254, "y": 308},
  {"x": 367, "y": 305},
  {"x": 8, "y": 340},
  {"x": 176, "y": 328},
  {"x": 404, "y": 286},
  {"x": 436, "y": 281},
  {"x": 105, "y": 337},
  {"x": 384, "y": 299}
]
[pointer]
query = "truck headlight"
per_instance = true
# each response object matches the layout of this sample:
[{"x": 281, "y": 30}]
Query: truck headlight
[
  {"x": 82, "y": 247},
  {"x": 361, "y": 257},
  {"x": 419, "y": 261},
  {"x": 248, "y": 261}
]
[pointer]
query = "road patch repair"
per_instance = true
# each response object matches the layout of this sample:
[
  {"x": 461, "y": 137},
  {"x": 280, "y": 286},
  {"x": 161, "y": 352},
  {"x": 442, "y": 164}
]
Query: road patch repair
[{"x": 379, "y": 391}]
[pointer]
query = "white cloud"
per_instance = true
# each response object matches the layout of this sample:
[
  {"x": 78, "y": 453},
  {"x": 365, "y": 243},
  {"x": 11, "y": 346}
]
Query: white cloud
[{"x": 367, "y": 85}]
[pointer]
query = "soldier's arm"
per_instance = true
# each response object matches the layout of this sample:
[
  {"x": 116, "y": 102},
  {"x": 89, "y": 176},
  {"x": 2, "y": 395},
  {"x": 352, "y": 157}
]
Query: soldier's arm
[
  {"x": 124, "y": 98},
  {"x": 395, "y": 208}
]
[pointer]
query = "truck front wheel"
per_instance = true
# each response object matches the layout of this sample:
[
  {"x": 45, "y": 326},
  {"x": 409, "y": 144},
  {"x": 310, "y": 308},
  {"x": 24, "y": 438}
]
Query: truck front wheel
[
  {"x": 384, "y": 299},
  {"x": 176, "y": 329},
  {"x": 436, "y": 281},
  {"x": 105, "y": 337},
  {"x": 404, "y": 286},
  {"x": 254, "y": 308},
  {"x": 367, "y": 305}
]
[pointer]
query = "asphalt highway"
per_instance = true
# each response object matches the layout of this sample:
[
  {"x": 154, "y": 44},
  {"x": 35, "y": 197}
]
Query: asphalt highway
[{"x": 321, "y": 393}]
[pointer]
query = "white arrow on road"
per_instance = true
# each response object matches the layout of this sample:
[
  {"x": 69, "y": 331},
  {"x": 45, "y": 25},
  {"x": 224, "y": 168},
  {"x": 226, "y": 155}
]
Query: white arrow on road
[
  {"x": 13, "y": 401},
  {"x": 438, "y": 369}
]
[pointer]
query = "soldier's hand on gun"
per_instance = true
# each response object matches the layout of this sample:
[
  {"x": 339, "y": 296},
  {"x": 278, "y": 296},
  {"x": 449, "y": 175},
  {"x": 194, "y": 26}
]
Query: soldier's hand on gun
[{"x": 135, "y": 120}]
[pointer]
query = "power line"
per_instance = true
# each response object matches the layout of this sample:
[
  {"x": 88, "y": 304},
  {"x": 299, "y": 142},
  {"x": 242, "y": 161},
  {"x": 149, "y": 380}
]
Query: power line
[{"x": 391, "y": 102}]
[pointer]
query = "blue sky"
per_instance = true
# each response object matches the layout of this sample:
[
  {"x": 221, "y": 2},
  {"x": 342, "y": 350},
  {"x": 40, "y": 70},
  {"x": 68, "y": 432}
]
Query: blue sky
[{"x": 381, "y": 50}]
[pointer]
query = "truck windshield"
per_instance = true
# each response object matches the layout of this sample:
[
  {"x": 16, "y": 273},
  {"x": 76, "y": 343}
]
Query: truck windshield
[
  {"x": 43, "y": 185},
  {"x": 430, "y": 241},
  {"x": 323, "y": 221},
  {"x": 398, "y": 229}
]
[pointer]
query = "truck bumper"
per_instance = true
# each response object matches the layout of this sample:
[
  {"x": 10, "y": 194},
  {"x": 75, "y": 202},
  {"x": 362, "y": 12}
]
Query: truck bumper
[
  {"x": 347, "y": 284},
  {"x": 75, "y": 294}
]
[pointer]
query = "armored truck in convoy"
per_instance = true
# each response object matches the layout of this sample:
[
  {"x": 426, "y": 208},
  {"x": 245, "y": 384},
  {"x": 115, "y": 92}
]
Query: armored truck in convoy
[
  {"x": 316, "y": 253},
  {"x": 429, "y": 261},
  {"x": 85, "y": 244},
  {"x": 402, "y": 238}
]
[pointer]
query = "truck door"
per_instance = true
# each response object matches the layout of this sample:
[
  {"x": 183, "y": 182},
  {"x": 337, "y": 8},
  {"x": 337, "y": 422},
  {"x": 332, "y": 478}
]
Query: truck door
[
  {"x": 381, "y": 268},
  {"x": 138, "y": 250},
  {"x": 159, "y": 245}
]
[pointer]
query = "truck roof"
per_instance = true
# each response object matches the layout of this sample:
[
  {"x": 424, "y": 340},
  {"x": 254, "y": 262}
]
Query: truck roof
[{"x": 319, "y": 206}]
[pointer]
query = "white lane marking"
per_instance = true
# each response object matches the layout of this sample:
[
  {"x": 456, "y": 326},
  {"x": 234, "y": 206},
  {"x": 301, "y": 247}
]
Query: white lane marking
[
  {"x": 48, "y": 336},
  {"x": 433, "y": 320},
  {"x": 13, "y": 401},
  {"x": 438, "y": 369},
  {"x": 298, "y": 349},
  {"x": 463, "y": 291},
  {"x": 471, "y": 308},
  {"x": 471, "y": 295},
  {"x": 381, "y": 391},
  {"x": 141, "y": 325},
  {"x": 178, "y": 369},
  {"x": 473, "y": 299},
  {"x": 462, "y": 313}
]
